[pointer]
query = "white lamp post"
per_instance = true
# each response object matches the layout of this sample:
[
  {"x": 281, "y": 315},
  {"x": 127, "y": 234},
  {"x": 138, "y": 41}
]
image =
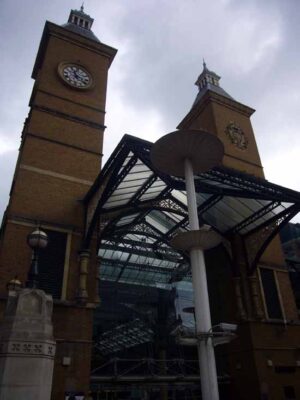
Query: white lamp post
[{"x": 183, "y": 153}]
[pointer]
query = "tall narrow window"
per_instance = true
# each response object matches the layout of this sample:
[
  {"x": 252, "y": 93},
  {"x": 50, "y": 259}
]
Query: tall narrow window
[
  {"x": 270, "y": 293},
  {"x": 51, "y": 264}
]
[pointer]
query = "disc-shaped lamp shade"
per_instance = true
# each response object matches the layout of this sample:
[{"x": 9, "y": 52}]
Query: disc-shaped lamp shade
[
  {"x": 37, "y": 239},
  {"x": 201, "y": 239},
  {"x": 204, "y": 150}
]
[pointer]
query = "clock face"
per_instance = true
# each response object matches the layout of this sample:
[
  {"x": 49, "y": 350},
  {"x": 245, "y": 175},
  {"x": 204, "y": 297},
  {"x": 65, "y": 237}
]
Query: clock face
[{"x": 75, "y": 75}]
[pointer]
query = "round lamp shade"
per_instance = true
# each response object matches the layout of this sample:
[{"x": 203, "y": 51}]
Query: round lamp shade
[
  {"x": 37, "y": 239},
  {"x": 202, "y": 239},
  {"x": 204, "y": 150}
]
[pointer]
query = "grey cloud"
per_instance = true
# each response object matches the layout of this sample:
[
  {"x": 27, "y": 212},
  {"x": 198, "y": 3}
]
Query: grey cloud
[{"x": 253, "y": 45}]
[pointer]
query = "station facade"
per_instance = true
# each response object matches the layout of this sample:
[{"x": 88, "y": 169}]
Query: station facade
[{"x": 119, "y": 287}]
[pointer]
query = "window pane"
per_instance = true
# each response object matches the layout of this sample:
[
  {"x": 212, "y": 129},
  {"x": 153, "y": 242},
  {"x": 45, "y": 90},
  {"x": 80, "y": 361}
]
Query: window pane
[
  {"x": 271, "y": 294},
  {"x": 51, "y": 264}
]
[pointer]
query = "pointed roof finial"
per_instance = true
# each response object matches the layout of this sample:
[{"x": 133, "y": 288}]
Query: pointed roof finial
[
  {"x": 204, "y": 64},
  {"x": 81, "y": 8}
]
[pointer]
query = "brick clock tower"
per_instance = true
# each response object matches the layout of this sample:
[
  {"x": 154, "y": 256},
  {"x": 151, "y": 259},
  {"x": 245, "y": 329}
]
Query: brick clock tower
[
  {"x": 264, "y": 358},
  {"x": 59, "y": 158}
]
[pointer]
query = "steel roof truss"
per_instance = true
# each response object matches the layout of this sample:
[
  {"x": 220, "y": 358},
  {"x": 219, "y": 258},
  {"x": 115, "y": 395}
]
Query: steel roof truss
[
  {"x": 255, "y": 216},
  {"x": 257, "y": 240}
]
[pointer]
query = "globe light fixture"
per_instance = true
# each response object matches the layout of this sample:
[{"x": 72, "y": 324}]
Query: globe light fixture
[
  {"x": 37, "y": 240},
  {"x": 14, "y": 284}
]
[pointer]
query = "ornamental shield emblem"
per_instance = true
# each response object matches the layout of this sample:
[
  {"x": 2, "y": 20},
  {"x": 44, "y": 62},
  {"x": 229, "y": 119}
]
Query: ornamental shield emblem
[{"x": 236, "y": 136}]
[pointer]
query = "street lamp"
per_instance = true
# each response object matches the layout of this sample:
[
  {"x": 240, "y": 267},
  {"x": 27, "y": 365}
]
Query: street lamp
[
  {"x": 37, "y": 240},
  {"x": 183, "y": 153}
]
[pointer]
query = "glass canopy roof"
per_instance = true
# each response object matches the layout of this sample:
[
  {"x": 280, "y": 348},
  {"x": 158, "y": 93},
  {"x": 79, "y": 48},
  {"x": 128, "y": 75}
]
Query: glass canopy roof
[{"x": 136, "y": 210}]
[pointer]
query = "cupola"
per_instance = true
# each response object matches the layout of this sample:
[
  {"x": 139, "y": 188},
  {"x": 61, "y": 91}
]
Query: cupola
[
  {"x": 209, "y": 80},
  {"x": 80, "y": 18},
  {"x": 81, "y": 23}
]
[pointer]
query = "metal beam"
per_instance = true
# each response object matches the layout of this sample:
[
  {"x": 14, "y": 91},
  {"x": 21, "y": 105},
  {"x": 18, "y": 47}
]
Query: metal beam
[
  {"x": 258, "y": 239},
  {"x": 110, "y": 186},
  {"x": 254, "y": 217},
  {"x": 152, "y": 178},
  {"x": 136, "y": 266},
  {"x": 145, "y": 378},
  {"x": 133, "y": 249}
]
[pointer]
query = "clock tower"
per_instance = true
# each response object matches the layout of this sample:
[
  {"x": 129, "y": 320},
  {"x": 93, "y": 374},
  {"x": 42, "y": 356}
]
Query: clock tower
[
  {"x": 216, "y": 111},
  {"x": 59, "y": 159},
  {"x": 264, "y": 301}
]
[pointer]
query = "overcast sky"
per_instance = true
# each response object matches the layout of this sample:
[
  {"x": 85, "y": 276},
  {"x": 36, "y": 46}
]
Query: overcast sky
[{"x": 253, "y": 45}]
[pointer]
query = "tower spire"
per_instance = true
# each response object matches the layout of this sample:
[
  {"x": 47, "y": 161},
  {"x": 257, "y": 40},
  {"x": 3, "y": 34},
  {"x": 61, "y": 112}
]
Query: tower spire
[
  {"x": 209, "y": 80},
  {"x": 207, "y": 77}
]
